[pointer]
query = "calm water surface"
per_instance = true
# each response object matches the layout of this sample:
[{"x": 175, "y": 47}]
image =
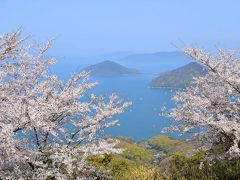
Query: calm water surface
[{"x": 141, "y": 120}]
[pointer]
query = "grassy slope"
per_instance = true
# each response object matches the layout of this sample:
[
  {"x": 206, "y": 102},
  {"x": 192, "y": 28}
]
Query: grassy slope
[{"x": 170, "y": 146}]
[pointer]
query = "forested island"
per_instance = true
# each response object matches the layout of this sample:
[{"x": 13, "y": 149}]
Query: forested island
[
  {"x": 180, "y": 77},
  {"x": 110, "y": 68}
]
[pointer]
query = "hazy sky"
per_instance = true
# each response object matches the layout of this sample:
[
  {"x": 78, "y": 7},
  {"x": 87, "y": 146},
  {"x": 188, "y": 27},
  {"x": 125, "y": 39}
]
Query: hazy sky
[{"x": 104, "y": 26}]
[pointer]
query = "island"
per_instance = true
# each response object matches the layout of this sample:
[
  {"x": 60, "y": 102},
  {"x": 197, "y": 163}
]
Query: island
[
  {"x": 180, "y": 77},
  {"x": 109, "y": 68}
]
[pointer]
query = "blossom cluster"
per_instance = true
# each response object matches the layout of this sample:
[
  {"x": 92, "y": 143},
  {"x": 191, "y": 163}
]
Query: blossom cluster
[
  {"x": 212, "y": 102},
  {"x": 46, "y": 128}
]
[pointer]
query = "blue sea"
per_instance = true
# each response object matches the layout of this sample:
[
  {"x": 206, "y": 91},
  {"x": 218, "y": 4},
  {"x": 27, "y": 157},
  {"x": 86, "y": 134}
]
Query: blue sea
[{"x": 142, "y": 119}]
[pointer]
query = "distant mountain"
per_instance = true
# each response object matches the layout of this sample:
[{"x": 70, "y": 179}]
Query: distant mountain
[
  {"x": 179, "y": 78},
  {"x": 106, "y": 68},
  {"x": 115, "y": 55},
  {"x": 157, "y": 56},
  {"x": 156, "y": 62}
]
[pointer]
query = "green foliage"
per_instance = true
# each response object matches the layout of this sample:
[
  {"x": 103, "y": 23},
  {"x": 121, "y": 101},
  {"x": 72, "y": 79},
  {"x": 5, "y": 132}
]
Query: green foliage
[
  {"x": 170, "y": 146},
  {"x": 132, "y": 157},
  {"x": 199, "y": 167},
  {"x": 101, "y": 160},
  {"x": 136, "y": 162},
  {"x": 183, "y": 167},
  {"x": 135, "y": 153},
  {"x": 140, "y": 173}
]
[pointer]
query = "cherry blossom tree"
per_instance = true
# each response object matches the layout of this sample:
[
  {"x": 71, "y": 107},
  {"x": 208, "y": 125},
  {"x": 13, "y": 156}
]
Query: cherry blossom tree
[
  {"x": 46, "y": 129},
  {"x": 212, "y": 102}
]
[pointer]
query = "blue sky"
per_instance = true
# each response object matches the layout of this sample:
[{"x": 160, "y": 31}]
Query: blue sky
[{"x": 106, "y": 26}]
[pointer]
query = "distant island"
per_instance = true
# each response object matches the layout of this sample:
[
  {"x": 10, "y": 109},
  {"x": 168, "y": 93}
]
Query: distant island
[
  {"x": 108, "y": 68},
  {"x": 180, "y": 77},
  {"x": 157, "y": 57}
]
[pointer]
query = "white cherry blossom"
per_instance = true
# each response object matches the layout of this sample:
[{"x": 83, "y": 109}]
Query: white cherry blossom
[
  {"x": 212, "y": 102},
  {"x": 46, "y": 128}
]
